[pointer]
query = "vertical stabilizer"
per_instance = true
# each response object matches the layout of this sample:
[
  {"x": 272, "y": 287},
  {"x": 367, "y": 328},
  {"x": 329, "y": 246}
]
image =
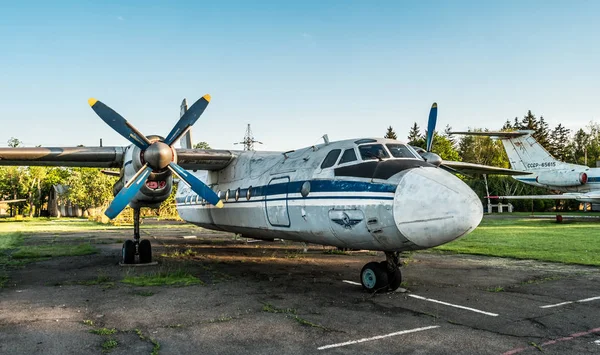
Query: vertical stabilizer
[
  {"x": 525, "y": 153},
  {"x": 186, "y": 140}
]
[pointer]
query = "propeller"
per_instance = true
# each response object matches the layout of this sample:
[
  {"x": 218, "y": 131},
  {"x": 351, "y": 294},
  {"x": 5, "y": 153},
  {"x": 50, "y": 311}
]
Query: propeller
[
  {"x": 158, "y": 155},
  {"x": 427, "y": 154},
  {"x": 431, "y": 126}
]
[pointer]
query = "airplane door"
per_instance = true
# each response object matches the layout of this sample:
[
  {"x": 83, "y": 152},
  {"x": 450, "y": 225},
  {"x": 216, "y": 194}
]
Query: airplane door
[{"x": 276, "y": 203}]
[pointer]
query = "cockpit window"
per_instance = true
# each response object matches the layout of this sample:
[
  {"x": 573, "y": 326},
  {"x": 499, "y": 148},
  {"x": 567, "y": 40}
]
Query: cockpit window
[
  {"x": 372, "y": 151},
  {"x": 331, "y": 158},
  {"x": 348, "y": 156},
  {"x": 400, "y": 151}
]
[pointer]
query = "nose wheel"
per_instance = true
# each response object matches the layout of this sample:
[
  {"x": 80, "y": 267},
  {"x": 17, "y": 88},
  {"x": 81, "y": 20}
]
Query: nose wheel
[
  {"x": 382, "y": 276},
  {"x": 131, "y": 248}
]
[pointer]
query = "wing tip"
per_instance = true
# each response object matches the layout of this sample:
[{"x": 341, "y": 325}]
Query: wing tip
[
  {"x": 434, "y": 105},
  {"x": 219, "y": 204},
  {"x": 92, "y": 101},
  {"x": 206, "y": 97}
]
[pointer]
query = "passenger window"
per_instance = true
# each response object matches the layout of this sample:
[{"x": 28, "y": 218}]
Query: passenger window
[
  {"x": 372, "y": 151},
  {"x": 348, "y": 156},
  {"x": 331, "y": 158}
]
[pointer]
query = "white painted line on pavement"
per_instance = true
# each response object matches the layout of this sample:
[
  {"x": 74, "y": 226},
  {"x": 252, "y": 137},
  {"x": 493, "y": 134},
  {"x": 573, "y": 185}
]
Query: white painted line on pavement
[
  {"x": 352, "y": 282},
  {"x": 454, "y": 305},
  {"x": 569, "y": 302},
  {"x": 377, "y": 337}
]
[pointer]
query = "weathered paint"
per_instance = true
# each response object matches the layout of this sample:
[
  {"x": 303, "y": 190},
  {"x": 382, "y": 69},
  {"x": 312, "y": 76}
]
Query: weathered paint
[{"x": 417, "y": 207}]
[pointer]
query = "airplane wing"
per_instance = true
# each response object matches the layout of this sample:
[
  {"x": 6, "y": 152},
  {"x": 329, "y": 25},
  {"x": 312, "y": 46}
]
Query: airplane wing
[
  {"x": 106, "y": 157},
  {"x": 99, "y": 157},
  {"x": 584, "y": 197},
  {"x": 13, "y": 201},
  {"x": 470, "y": 168}
]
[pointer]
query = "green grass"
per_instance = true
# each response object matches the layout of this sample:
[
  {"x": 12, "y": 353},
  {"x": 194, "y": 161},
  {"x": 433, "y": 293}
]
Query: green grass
[
  {"x": 163, "y": 278},
  {"x": 521, "y": 238},
  {"x": 53, "y": 250},
  {"x": 155, "y": 347},
  {"x": 103, "y": 331},
  {"x": 109, "y": 345}
]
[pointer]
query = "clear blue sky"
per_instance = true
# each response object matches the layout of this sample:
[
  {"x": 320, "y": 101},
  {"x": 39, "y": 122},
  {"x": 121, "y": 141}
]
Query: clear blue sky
[{"x": 294, "y": 70}]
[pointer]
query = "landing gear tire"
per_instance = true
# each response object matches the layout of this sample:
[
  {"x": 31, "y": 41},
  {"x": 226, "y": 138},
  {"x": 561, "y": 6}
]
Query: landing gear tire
[
  {"x": 145, "y": 251},
  {"x": 128, "y": 252},
  {"x": 374, "y": 277},
  {"x": 394, "y": 278}
]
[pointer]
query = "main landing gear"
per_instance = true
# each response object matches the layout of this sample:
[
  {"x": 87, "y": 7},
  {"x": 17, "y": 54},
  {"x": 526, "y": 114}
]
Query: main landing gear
[
  {"x": 379, "y": 277},
  {"x": 134, "y": 247}
]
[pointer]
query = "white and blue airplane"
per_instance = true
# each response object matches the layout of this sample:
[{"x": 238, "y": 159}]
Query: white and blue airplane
[
  {"x": 574, "y": 182},
  {"x": 365, "y": 193}
]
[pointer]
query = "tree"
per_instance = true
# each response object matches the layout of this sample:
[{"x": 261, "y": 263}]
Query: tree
[
  {"x": 201, "y": 145},
  {"x": 14, "y": 142},
  {"x": 390, "y": 134},
  {"x": 558, "y": 143},
  {"x": 579, "y": 146},
  {"x": 482, "y": 150},
  {"x": 443, "y": 147},
  {"x": 88, "y": 187},
  {"x": 414, "y": 135}
]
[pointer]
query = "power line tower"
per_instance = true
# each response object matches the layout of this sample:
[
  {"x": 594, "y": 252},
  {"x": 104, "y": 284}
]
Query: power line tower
[{"x": 249, "y": 140}]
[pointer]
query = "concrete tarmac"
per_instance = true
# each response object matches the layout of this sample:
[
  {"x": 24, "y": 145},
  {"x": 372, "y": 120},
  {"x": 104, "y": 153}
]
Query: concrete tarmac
[{"x": 272, "y": 297}]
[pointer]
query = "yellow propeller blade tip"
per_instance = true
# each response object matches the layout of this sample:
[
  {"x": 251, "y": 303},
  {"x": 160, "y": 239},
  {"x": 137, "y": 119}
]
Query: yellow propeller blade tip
[
  {"x": 434, "y": 105},
  {"x": 220, "y": 204},
  {"x": 206, "y": 97},
  {"x": 92, "y": 101}
]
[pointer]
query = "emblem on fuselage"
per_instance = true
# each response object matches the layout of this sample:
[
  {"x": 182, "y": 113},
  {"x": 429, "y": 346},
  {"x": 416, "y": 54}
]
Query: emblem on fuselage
[{"x": 345, "y": 221}]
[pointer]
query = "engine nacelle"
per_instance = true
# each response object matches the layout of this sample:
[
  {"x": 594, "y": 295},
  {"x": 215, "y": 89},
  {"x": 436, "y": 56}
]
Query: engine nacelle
[{"x": 562, "y": 178}]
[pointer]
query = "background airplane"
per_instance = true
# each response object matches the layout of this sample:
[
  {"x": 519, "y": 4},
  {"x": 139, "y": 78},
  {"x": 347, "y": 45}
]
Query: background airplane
[
  {"x": 366, "y": 193},
  {"x": 576, "y": 182}
]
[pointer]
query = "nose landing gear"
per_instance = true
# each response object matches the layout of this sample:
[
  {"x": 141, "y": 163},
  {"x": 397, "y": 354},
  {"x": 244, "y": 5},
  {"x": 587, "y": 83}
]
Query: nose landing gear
[
  {"x": 379, "y": 277},
  {"x": 131, "y": 248}
]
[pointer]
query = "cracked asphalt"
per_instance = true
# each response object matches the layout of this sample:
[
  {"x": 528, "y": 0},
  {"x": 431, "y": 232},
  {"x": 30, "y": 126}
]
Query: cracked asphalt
[{"x": 272, "y": 297}]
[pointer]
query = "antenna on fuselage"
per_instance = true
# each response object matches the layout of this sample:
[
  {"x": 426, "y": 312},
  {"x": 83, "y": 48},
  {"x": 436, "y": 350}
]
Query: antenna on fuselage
[
  {"x": 249, "y": 140},
  {"x": 326, "y": 139}
]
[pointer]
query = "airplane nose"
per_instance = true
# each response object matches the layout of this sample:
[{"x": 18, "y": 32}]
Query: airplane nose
[{"x": 433, "y": 207}]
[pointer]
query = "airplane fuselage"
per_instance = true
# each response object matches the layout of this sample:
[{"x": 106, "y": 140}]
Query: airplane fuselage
[{"x": 352, "y": 200}]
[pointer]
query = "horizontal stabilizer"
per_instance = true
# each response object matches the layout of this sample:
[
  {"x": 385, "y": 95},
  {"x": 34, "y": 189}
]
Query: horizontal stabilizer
[{"x": 494, "y": 134}]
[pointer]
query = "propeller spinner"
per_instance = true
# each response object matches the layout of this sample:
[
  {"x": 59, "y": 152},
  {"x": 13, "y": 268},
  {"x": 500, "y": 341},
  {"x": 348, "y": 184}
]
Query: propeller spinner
[{"x": 157, "y": 155}]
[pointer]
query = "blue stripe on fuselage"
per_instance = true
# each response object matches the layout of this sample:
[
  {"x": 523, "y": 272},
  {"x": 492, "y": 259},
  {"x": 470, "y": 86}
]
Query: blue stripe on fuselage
[{"x": 315, "y": 186}]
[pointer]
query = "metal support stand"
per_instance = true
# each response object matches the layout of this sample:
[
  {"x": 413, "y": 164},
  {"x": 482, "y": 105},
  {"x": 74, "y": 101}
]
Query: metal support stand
[
  {"x": 136, "y": 226},
  {"x": 393, "y": 260}
]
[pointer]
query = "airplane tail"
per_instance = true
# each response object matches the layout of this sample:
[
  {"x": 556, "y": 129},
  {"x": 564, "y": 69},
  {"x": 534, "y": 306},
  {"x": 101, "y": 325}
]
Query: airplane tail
[
  {"x": 524, "y": 152},
  {"x": 186, "y": 140}
]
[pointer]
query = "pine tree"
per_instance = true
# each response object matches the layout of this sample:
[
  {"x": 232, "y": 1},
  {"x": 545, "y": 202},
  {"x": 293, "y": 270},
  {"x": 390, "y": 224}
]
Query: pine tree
[
  {"x": 507, "y": 126},
  {"x": 448, "y": 136},
  {"x": 542, "y": 133},
  {"x": 559, "y": 143},
  {"x": 390, "y": 134},
  {"x": 414, "y": 135},
  {"x": 529, "y": 122}
]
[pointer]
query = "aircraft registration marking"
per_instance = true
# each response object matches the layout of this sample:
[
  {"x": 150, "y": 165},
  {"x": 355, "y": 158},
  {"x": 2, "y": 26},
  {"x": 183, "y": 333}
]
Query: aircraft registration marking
[
  {"x": 377, "y": 337},
  {"x": 454, "y": 305},
  {"x": 541, "y": 165}
]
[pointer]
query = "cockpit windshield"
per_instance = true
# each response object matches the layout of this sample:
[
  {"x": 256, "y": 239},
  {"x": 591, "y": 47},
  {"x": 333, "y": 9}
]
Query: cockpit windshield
[
  {"x": 401, "y": 151},
  {"x": 373, "y": 151}
]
